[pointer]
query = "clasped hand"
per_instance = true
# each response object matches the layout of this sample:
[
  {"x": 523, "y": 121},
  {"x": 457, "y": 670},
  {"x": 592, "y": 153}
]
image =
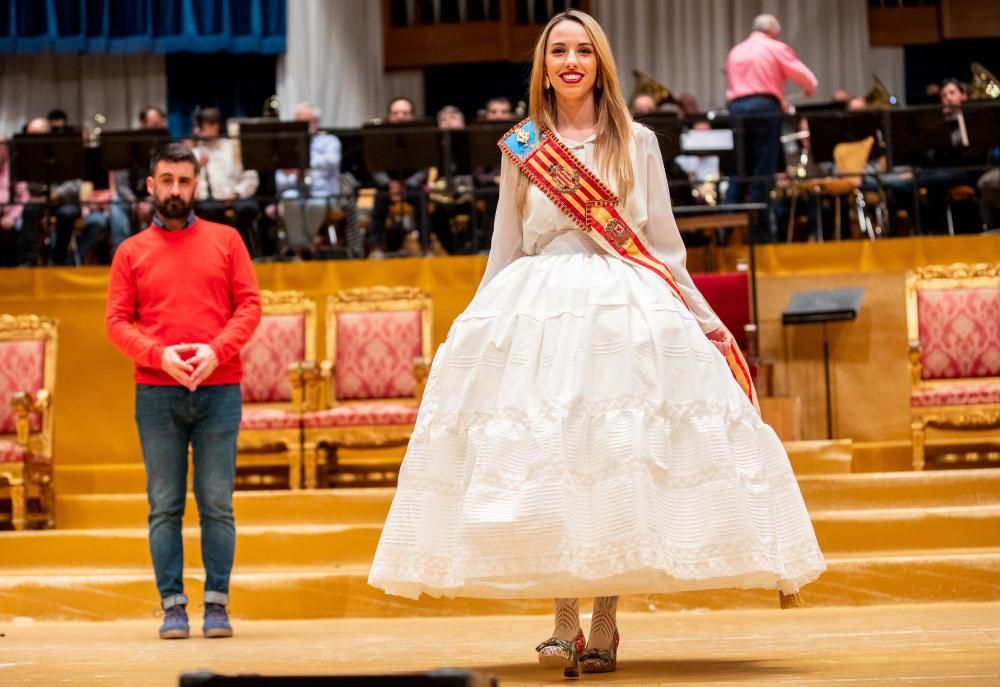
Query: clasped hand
[{"x": 191, "y": 371}]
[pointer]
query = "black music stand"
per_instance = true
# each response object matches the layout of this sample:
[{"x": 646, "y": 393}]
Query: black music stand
[
  {"x": 828, "y": 129},
  {"x": 982, "y": 124},
  {"x": 823, "y": 307},
  {"x": 267, "y": 145},
  {"x": 668, "y": 127},
  {"x": 484, "y": 155},
  {"x": 483, "y": 137},
  {"x": 131, "y": 149},
  {"x": 913, "y": 132},
  {"x": 401, "y": 149},
  {"x": 352, "y": 154},
  {"x": 46, "y": 158}
]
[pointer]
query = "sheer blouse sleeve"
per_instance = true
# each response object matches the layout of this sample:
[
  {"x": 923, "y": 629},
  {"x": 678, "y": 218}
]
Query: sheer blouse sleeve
[
  {"x": 507, "y": 243},
  {"x": 662, "y": 232}
]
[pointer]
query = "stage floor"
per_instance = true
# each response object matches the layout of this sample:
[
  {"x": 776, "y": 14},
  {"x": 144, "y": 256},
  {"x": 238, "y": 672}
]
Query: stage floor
[{"x": 938, "y": 645}]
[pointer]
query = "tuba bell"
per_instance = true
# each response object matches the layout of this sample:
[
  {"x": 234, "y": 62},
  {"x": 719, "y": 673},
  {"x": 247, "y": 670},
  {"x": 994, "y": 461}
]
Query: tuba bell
[
  {"x": 984, "y": 85},
  {"x": 879, "y": 98},
  {"x": 647, "y": 85},
  {"x": 271, "y": 107}
]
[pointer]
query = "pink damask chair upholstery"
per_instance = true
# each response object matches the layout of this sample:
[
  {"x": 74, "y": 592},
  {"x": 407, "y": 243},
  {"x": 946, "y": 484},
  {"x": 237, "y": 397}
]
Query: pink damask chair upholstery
[
  {"x": 27, "y": 378},
  {"x": 378, "y": 351},
  {"x": 275, "y": 361},
  {"x": 953, "y": 319}
]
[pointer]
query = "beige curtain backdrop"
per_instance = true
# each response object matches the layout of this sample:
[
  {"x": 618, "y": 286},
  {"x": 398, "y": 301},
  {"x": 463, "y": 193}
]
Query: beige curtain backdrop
[
  {"x": 334, "y": 60},
  {"x": 117, "y": 86},
  {"x": 334, "y": 53},
  {"x": 684, "y": 43}
]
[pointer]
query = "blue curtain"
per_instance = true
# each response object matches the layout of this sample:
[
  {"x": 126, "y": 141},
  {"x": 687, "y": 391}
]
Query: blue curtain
[
  {"x": 236, "y": 84},
  {"x": 149, "y": 26}
]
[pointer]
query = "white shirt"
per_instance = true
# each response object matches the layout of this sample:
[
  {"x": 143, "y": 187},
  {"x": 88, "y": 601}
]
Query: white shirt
[
  {"x": 647, "y": 209},
  {"x": 223, "y": 178}
]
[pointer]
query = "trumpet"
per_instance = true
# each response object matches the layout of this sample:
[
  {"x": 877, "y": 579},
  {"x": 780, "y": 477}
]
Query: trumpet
[{"x": 984, "y": 85}]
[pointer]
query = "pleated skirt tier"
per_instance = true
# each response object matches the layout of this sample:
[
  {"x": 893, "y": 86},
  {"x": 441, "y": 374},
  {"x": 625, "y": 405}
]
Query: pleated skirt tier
[{"x": 579, "y": 436}]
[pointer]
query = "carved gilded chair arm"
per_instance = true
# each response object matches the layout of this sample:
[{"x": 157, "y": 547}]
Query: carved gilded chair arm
[
  {"x": 295, "y": 378},
  {"x": 916, "y": 368},
  {"x": 310, "y": 383},
  {"x": 23, "y": 406},
  {"x": 421, "y": 368},
  {"x": 324, "y": 392}
]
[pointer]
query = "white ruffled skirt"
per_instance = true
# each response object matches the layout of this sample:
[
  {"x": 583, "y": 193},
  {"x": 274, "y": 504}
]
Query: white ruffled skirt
[{"x": 580, "y": 436}]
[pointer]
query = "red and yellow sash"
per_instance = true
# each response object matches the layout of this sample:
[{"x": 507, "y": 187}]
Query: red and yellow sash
[{"x": 576, "y": 191}]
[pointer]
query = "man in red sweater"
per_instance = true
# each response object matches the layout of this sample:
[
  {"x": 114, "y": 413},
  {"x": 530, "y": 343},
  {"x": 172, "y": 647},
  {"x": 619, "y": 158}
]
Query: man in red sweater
[{"x": 182, "y": 302}]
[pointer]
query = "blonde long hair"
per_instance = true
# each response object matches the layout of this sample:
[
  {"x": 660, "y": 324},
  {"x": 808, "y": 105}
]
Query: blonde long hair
[{"x": 614, "y": 122}]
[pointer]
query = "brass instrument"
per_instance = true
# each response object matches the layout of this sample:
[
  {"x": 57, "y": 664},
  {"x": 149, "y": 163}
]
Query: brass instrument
[
  {"x": 439, "y": 192},
  {"x": 984, "y": 85},
  {"x": 879, "y": 98},
  {"x": 92, "y": 133},
  {"x": 271, "y": 107},
  {"x": 647, "y": 85}
]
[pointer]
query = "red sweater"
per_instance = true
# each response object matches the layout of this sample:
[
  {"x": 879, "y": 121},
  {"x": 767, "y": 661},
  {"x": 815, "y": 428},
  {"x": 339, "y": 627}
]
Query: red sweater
[{"x": 191, "y": 285}]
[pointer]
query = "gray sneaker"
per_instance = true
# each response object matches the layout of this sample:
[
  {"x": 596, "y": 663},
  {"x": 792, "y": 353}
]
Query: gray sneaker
[
  {"x": 216, "y": 622},
  {"x": 175, "y": 623}
]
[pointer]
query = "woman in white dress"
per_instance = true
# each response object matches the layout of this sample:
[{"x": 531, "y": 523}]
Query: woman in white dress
[{"x": 580, "y": 435}]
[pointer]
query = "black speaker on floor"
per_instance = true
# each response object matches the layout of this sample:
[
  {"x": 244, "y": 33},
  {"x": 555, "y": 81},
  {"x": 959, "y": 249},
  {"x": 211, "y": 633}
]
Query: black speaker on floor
[{"x": 435, "y": 678}]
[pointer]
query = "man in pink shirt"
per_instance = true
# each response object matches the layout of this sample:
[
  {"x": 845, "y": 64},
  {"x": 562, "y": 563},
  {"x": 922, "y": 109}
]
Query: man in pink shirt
[{"x": 757, "y": 70}]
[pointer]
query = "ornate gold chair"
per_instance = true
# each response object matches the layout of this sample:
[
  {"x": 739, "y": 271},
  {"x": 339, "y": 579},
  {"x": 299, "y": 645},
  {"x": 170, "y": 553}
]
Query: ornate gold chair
[
  {"x": 953, "y": 323},
  {"x": 27, "y": 378},
  {"x": 378, "y": 351},
  {"x": 282, "y": 349}
]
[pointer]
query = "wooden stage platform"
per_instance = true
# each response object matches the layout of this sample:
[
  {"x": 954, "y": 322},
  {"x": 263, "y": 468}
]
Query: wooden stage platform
[{"x": 937, "y": 645}]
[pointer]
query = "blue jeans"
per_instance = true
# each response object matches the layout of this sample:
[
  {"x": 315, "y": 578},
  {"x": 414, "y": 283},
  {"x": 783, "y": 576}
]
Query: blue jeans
[
  {"x": 760, "y": 116},
  {"x": 169, "y": 419}
]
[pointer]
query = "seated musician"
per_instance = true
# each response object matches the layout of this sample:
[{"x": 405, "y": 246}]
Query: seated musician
[
  {"x": 486, "y": 179},
  {"x": 939, "y": 174},
  {"x": 395, "y": 212},
  {"x": 225, "y": 190},
  {"x": 307, "y": 199},
  {"x": 450, "y": 207},
  {"x": 131, "y": 209}
]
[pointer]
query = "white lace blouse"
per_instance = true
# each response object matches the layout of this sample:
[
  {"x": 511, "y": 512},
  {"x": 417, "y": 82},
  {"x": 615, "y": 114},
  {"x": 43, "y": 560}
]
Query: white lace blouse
[{"x": 647, "y": 208}]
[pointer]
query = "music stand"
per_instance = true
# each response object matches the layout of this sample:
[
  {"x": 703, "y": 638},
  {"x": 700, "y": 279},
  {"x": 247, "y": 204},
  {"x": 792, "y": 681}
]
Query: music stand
[
  {"x": 352, "y": 154},
  {"x": 667, "y": 126},
  {"x": 982, "y": 124},
  {"x": 828, "y": 129},
  {"x": 913, "y": 132},
  {"x": 483, "y": 137},
  {"x": 46, "y": 158},
  {"x": 825, "y": 106},
  {"x": 400, "y": 149},
  {"x": 131, "y": 149},
  {"x": 267, "y": 145},
  {"x": 823, "y": 307}
]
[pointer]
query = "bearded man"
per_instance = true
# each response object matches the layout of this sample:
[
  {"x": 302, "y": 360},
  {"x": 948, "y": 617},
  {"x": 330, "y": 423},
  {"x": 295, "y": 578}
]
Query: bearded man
[{"x": 182, "y": 302}]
